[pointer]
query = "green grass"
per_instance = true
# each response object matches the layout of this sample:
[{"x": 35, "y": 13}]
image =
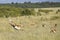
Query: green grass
[{"x": 32, "y": 29}]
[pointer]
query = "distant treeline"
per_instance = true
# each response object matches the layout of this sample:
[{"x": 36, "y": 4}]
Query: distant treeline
[{"x": 33, "y": 5}]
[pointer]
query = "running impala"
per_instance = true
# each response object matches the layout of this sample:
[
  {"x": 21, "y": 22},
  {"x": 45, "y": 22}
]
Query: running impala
[
  {"x": 53, "y": 29},
  {"x": 14, "y": 25}
]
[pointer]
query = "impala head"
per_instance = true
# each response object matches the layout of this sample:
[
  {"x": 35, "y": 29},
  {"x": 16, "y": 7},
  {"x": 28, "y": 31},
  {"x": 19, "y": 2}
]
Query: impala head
[{"x": 11, "y": 22}]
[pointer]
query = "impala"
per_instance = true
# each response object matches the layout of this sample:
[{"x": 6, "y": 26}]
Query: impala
[
  {"x": 53, "y": 29},
  {"x": 14, "y": 25}
]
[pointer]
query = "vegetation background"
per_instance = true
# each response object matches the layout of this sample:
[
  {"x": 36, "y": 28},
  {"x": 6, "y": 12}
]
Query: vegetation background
[{"x": 32, "y": 17}]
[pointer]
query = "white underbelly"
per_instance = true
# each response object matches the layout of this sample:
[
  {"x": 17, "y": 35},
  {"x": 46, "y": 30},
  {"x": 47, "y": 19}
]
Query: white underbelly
[{"x": 17, "y": 27}]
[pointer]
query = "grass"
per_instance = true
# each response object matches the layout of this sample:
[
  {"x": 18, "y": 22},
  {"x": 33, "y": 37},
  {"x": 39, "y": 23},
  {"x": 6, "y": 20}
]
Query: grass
[
  {"x": 32, "y": 29},
  {"x": 54, "y": 17}
]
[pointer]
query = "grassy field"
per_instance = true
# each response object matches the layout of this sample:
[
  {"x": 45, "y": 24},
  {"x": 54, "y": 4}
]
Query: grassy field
[{"x": 32, "y": 29}]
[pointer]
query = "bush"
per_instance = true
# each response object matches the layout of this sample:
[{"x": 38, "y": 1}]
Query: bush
[
  {"x": 10, "y": 11},
  {"x": 27, "y": 12}
]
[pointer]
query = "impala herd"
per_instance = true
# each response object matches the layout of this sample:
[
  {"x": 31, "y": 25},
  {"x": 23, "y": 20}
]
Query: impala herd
[{"x": 18, "y": 26}]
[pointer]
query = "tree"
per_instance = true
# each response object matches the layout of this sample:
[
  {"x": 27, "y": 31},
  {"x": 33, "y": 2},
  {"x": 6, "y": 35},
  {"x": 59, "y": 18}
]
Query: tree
[
  {"x": 29, "y": 2},
  {"x": 12, "y": 2}
]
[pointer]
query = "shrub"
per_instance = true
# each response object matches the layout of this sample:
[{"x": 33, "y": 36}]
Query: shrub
[{"x": 27, "y": 12}]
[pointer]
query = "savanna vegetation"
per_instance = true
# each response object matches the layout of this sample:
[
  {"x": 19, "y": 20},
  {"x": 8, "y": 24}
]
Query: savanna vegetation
[
  {"x": 14, "y": 12},
  {"x": 37, "y": 22},
  {"x": 32, "y": 19}
]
